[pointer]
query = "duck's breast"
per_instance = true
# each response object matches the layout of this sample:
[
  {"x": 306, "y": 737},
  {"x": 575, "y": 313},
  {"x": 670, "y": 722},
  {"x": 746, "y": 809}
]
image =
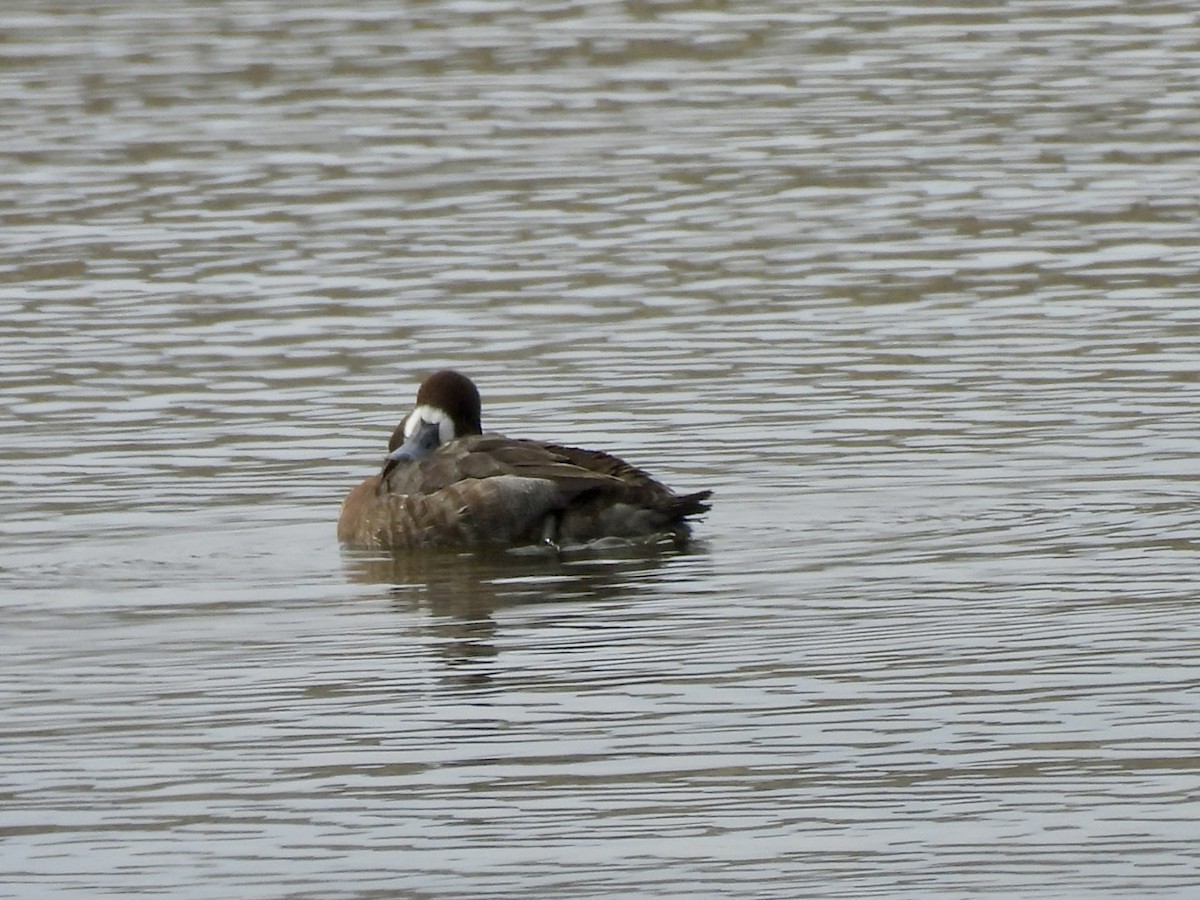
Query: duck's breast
[{"x": 501, "y": 509}]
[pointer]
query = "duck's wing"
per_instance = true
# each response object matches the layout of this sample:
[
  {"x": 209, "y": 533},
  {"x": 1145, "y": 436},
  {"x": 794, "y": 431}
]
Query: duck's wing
[
  {"x": 487, "y": 456},
  {"x": 637, "y": 485},
  {"x": 601, "y": 463},
  {"x": 492, "y": 455}
]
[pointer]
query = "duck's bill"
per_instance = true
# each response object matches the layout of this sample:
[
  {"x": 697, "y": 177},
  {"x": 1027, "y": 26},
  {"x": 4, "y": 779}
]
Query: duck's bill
[{"x": 417, "y": 446}]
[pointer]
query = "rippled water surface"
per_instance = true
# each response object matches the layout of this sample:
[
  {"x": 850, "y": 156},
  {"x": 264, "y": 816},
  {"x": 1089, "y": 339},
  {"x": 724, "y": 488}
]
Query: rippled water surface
[{"x": 913, "y": 288}]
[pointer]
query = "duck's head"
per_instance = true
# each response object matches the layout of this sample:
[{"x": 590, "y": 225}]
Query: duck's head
[{"x": 447, "y": 408}]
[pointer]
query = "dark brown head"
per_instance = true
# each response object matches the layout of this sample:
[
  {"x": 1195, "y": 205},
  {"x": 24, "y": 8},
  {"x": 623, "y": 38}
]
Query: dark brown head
[{"x": 447, "y": 408}]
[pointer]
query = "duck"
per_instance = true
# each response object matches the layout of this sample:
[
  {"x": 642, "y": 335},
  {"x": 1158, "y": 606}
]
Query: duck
[{"x": 445, "y": 482}]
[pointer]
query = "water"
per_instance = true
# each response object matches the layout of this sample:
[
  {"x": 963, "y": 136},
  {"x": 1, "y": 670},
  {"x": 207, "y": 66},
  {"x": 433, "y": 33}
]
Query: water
[{"x": 911, "y": 288}]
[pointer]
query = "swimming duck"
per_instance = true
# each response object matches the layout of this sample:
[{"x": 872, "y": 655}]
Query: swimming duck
[{"x": 446, "y": 483}]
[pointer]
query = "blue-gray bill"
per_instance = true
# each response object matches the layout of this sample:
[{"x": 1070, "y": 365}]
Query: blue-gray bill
[{"x": 419, "y": 445}]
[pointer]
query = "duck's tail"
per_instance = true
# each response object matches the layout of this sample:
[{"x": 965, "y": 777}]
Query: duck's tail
[{"x": 690, "y": 505}]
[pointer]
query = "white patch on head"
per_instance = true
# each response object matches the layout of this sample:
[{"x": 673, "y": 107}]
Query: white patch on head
[{"x": 430, "y": 415}]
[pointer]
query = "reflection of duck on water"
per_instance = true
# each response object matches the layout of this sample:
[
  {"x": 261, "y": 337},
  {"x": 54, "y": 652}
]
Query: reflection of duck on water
[
  {"x": 445, "y": 483},
  {"x": 466, "y": 584},
  {"x": 460, "y": 598}
]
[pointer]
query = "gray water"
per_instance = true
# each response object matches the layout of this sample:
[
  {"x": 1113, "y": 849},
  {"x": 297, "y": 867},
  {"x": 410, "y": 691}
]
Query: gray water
[{"x": 913, "y": 289}]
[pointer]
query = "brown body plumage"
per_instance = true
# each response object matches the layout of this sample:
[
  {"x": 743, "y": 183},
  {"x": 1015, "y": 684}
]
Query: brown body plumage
[{"x": 486, "y": 488}]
